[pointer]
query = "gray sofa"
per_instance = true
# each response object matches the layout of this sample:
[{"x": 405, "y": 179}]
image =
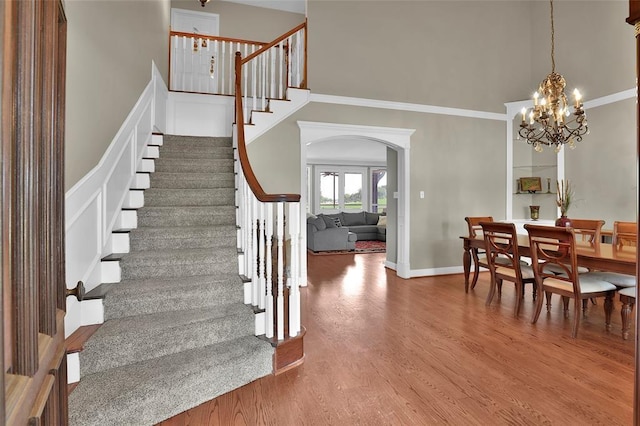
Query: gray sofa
[{"x": 340, "y": 231}]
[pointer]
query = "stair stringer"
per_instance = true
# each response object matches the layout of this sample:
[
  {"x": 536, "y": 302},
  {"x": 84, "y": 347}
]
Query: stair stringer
[{"x": 262, "y": 121}]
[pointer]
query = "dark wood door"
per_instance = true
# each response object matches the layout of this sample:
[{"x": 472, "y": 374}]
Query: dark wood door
[{"x": 32, "y": 214}]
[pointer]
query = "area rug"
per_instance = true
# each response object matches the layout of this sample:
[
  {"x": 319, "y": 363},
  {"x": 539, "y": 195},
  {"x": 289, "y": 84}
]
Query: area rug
[{"x": 362, "y": 247}]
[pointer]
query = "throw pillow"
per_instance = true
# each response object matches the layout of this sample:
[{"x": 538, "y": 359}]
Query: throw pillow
[
  {"x": 336, "y": 221},
  {"x": 329, "y": 221},
  {"x": 353, "y": 219},
  {"x": 382, "y": 221},
  {"x": 319, "y": 223},
  {"x": 371, "y": 218}
]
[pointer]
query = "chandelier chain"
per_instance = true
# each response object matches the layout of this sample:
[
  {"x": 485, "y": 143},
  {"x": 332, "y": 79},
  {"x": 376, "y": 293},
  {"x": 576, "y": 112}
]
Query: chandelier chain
[{"x": 553, "y": 46}]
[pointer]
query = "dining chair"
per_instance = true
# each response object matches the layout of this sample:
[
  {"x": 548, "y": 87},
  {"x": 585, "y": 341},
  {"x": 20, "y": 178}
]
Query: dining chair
[
  {"x": 479, "y": 256},
  {"x": 628, "y": 299},
  {"x": 503, "y": 259},
  {"x": 624, "y": 234},
  {"x": 552, "y": 245},
  {"x": 586, "y": 231}
]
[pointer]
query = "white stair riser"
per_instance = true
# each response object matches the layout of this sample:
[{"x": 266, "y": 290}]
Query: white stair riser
[
  {"x": 151, "y": 152},
  {"x": 111, "y": 272},
  {"x": 134, "y": 200},
  {"x": 141, "y": 181}
]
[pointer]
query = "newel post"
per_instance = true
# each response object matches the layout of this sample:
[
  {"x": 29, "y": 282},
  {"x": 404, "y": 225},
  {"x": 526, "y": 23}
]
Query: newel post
[{"x": 634, "y": 19}]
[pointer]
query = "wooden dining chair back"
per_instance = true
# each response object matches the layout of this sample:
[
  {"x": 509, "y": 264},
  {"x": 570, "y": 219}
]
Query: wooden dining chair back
[
  {"x": 551, "y": 245},
  {"x": 625, "y": 234},
  {"x": 587, "y": 230},
  {"x": 473, "y": 223},
  {"x": 503, "y": 259}
]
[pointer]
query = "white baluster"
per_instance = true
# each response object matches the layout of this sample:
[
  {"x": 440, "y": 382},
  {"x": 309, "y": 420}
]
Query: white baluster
[
  {"x": 223, "y": 58},
  {"x": 265, "y": 64},
  {"x": 290, "y": 60},
  {"x": 294, "y": 263},
  {"x": 254, "y": 82},
  {"x": 246, "y": 226},
  {"x": 280, "y": 299},
  {"x": 280, "y": 75},
  {"x": 298, "y": 56},
  {"x": 255, "y": 284},
  {"x": 269, "y": 297},
  {"x": 272, "y": 85},
  {"x": 184, "y": 63},
  {"x": 245, "y": 72},
  {"x": 261, "y": 255}
]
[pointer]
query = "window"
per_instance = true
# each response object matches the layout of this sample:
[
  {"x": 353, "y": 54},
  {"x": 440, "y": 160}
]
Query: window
[
  {"x": 353, "y": 191},
  {"x": 337, "y": 188},
  {"x": 329, "y": 197}
]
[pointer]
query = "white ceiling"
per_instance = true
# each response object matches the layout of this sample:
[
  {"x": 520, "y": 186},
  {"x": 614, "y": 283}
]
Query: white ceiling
[{"x": 295, "y": 6}]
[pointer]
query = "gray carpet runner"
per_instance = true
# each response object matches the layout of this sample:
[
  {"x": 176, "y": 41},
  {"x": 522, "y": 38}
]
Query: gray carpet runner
[{"x": 176, "y": 331}]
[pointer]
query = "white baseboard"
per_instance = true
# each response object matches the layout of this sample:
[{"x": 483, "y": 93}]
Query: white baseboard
[{"x": 429, "y": 272}]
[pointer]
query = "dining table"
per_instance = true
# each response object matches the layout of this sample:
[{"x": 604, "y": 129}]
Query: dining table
[{"x": 595, "y": 256}]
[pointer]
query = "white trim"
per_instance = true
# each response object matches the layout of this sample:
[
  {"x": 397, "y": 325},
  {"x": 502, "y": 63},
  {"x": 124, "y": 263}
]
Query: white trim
[
  {"x": 405, "y": 106},
  {"x": 396, "y": 138},
  {"x": 430, "y": 272},
  {"x": 611, "y": 99}
]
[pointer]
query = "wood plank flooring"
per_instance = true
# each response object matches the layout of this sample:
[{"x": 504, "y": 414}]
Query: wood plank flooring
[{"x": 381, "y": 350}]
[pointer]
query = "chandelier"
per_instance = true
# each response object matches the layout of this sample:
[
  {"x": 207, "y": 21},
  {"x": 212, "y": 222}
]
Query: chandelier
[
  {"x": 550, "y": 122},
  {"x": 203, "y": 2}
]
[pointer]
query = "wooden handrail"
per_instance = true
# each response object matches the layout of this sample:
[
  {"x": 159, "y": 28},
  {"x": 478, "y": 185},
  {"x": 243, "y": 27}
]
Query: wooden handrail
[
  {"x": 218, "y": 38},
  {"x": 250, "y": 177},
  {"x": 274, "y": 42}
]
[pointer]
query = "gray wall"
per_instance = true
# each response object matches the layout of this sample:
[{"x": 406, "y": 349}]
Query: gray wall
[
  {"x": 110, "y": 48},
  {"x": 476, "y": 55},
  {"x": 245, "y": 22}
]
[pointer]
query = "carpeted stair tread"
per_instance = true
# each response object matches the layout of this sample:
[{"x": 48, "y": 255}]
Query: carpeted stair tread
[
  {"x": 194, "y": 141},
  {"x": 149, "y": 295},
  {"x": 174, "y": 263},
  {"x": 187, "y": 216},
  {"x": 177, "y": 331},
  {"x": 173, "y": 151},
  {"x": 119, "y": 341},
  {"x": 189, "y": 197},
  {"x": 193, "y": 165},
  {"x": 180, "y": 237},
  {"x": 137, "y": 395},
  {"x": 193, "y": 180}
]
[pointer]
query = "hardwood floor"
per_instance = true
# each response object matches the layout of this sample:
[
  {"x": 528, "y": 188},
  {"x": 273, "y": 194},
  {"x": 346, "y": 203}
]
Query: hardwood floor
[{"x": 385, "y": 351}]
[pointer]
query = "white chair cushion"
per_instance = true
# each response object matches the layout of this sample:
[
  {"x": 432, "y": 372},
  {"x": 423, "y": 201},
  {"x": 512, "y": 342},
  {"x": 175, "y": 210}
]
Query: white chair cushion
[
  {"x": 619, "y": 280},
  {"x": 629, "y": 291},
  {"x": 588, "y": 284},
  {"x": 502, "y": 260},
  {"x": 525, "y": 270},
  {"x": 558, "y": 269}
]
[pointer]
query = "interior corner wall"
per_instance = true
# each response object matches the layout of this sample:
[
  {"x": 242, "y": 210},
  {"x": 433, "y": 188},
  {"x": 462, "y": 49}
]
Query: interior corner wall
[
  {"x": 392, "y": 205},
  {"x": 110, "y": 49},
  {"x": 602, "y": 168},
  {"x": 245, "y": 22}
]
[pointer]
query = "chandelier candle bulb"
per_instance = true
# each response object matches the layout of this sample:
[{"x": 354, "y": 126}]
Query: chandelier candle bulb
[{"x": 524, "y": 114}]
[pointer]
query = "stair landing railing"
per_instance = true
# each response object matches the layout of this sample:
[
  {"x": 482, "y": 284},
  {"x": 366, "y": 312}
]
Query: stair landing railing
[
  {"x": 269, "y": 224},
  {"x": 206, "y": 64}
]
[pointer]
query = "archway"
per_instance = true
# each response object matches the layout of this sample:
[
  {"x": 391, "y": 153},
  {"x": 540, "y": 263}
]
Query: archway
[{"x": 397, "y": 139}]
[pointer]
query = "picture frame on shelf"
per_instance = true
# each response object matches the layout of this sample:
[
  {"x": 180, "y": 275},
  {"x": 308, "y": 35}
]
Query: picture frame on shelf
[{"x": 530, "y": 184}]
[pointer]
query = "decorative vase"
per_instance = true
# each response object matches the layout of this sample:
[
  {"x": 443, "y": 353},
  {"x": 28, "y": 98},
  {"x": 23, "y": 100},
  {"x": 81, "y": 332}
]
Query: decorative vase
[
  {"x": 563, "y": 221},
  {"x": 535, "y": 212}
]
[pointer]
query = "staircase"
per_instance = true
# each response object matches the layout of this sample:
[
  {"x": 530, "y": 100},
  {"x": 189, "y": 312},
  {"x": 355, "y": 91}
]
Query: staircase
[{"x": 176, "y": 330}]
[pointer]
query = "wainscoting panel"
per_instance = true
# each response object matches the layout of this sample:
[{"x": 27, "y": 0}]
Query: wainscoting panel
[{"x": 93, "y": 204}]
